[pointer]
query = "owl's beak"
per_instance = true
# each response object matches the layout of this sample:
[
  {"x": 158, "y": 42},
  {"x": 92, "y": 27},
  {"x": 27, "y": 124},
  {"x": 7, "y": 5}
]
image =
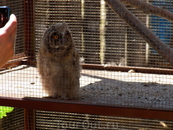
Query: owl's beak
[
  {"x": 62, "y": 42},
  {"x": 56, "y": 46}
]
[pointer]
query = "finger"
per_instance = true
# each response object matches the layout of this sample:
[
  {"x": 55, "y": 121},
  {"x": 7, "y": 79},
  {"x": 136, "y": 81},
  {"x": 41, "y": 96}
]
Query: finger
[
  {"x": 11, "y": 24},
  {"x": 13, "y": 32},
  {"x": 11, "y": 27}
]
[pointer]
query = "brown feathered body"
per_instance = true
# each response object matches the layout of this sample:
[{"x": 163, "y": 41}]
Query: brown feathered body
[{"x": 58, "y": 63}]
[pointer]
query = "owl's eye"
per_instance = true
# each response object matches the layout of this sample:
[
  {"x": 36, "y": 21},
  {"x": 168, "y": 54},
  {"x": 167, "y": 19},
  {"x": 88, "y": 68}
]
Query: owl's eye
[
  {"x": 55, "y": 37},
  {"x": 66, "y": 36}
]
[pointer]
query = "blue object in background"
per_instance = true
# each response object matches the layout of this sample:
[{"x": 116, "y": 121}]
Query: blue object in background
[{"x": 160, "y": 26}]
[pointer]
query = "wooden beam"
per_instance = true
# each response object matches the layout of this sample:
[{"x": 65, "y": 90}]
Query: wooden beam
[
  {"x": 79, "y": 107},
  {"x": 29, "y": 29},
  {"x": 127, "y": 68}
]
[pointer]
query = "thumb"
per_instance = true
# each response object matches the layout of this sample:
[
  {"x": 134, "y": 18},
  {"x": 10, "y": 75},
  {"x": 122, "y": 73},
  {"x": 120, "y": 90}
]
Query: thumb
[{"x": 11, "y": 25}]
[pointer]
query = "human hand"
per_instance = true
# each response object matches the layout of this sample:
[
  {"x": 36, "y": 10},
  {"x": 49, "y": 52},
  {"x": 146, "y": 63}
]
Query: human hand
[{"x": 7, "y": 40}]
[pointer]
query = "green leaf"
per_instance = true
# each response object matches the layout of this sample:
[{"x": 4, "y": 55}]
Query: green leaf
[{"x": 4, "y": 110}]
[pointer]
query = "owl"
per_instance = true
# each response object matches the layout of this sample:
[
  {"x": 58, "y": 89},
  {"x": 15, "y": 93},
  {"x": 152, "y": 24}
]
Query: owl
[{"x": 58, "y": 63}]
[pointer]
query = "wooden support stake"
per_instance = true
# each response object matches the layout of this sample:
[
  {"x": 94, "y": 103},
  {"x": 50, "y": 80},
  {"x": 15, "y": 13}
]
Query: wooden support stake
[
  {"x": 29, "y": 119},
  {"x": 29, "y": 29},
  {"x": 164, "y": 50}
]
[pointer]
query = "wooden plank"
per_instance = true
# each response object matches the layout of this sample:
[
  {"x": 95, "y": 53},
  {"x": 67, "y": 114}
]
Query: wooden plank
[
  {"x": 66, "y": 106},
  {"x": 127, "y": 68}
]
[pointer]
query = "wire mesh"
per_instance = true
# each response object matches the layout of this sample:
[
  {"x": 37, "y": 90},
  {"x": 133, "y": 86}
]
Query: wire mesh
[
  {"x": 13, "y": 121},
  {"x": 163, "y": 29},
  {"x": 75, "y": 121},
  {"x": 101, "y": 38},
  {"x": 51, "y": 12},
  {"x": 96, "y": 27}
]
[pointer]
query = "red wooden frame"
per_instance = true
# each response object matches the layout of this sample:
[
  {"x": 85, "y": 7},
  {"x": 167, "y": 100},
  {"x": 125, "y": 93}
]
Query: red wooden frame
[{"x": 32, "y": 104}]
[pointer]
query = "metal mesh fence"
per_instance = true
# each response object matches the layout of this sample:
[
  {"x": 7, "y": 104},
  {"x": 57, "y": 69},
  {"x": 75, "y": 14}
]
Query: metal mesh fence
[
  {"x": 75, "y": 121},
  {"x": 102, "y": 39},
  {"x": 13, "y": 121}
]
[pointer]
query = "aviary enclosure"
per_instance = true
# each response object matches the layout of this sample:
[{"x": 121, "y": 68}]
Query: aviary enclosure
[{"x": 126, "y": 79}]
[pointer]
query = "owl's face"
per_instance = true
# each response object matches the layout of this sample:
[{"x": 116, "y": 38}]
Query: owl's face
[{"x": 58, "y": 37}]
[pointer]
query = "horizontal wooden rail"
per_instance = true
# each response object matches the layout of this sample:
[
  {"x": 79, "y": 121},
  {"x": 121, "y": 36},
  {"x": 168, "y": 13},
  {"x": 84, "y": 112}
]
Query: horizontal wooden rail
[
  {"x": 127, "y": 68},
  {"x": 79, "y": 107}
]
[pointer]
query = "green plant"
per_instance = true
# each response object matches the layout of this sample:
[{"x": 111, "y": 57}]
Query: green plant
[{"x": 4, "y": 110}]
